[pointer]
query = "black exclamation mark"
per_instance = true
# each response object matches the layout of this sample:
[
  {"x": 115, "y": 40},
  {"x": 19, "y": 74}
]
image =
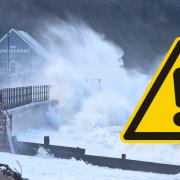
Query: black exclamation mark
[{"x": 177, "y": 94}]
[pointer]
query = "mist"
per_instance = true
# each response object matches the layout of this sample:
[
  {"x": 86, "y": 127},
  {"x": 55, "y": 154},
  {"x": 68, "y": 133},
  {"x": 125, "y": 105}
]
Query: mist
[
  {"x": 90, "y": 116},
  {"x": 78, "y": 58},
  {"x": 101, "y": 56}
]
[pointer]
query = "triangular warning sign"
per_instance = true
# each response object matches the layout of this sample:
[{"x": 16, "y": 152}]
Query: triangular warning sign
[{"x": 157, "y": 116}]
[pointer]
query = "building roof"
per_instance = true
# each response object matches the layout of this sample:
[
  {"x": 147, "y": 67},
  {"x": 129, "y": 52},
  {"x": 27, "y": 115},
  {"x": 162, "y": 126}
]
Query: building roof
[{"x": 30, "y": 41}]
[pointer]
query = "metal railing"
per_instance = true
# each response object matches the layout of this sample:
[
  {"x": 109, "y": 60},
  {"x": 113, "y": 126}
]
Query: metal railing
[{"x": 19, "y": 96}]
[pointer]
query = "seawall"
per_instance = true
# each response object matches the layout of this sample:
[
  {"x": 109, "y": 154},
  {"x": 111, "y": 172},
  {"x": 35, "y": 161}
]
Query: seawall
[{"x": 31, "y": 116}]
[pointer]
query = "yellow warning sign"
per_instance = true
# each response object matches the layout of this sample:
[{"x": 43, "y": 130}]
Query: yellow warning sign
[{"x": 156, "y": 118}]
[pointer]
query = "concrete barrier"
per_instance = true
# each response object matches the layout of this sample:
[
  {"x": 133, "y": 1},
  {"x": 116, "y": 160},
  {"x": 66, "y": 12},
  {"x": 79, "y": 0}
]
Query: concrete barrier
[
  {"x": 63, "y": 152},
  {"x": 133, "y": 165},
  {"x": 26, "y": 148},
  {"x": 31, "y": 116}
]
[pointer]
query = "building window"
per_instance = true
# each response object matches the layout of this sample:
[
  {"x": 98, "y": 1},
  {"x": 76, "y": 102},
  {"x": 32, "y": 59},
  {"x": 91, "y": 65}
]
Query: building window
[
  {"x": 3, "y": 67},
  {"x": 12, "y": 68}
]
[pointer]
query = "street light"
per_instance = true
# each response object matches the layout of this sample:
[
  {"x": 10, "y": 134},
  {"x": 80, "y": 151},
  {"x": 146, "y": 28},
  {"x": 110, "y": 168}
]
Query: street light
[{"x": 8, "y": 53}]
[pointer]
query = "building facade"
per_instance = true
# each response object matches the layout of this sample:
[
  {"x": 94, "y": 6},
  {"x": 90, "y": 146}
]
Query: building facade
[{"x": 20, "y": 56}]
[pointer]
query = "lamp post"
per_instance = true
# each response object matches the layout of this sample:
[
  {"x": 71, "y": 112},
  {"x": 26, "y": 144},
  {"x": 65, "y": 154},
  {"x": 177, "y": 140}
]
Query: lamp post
[{"x": 8, "y": 53}]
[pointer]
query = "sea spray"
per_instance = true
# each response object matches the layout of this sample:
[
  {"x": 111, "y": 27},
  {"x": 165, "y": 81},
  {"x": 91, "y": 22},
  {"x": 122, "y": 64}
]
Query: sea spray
[
  {"x": 78, "y": 53},
  {"x": 87, "y": 117}
]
